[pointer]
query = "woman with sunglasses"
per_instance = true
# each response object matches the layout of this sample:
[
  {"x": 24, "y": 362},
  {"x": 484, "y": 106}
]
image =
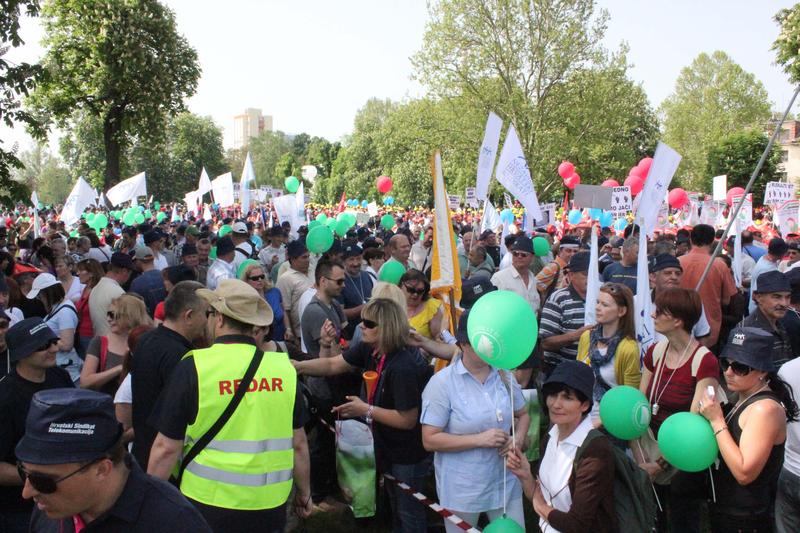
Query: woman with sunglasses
[
  {"x": 252, "y": 273},
  {"x": 103, "y": 368},
  {"x": 62, "y": 318},
  {"x": 393, "y": 407},
  {"x": 611, "y": 348},
  {"x": 466, "y": 419},
  {"x": 677, "y": 370},
  {"x": 750, "y": 434},
  {"x": 425, "y": 314}
]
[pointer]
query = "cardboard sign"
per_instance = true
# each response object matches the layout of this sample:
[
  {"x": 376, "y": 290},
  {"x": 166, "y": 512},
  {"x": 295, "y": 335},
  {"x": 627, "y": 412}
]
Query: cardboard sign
[
  {"x": 593, "y": 196},
  {"x": 778, "y": 193},
  {"x": 720, "y": 187},
  {"x": 786, "y": 216},
  {"x": 454, "y": 201},
  {"x": 471, "y": 197},
  {"x": 362, "y": 219},
  {"x": 548, "y": 215},
  {"x": 621, "y": 201}
]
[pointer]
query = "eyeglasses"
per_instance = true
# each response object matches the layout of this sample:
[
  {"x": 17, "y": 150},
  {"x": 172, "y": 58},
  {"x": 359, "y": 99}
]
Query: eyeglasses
[
  {"x": 369, "y": 324},
  {"x": 739, "y": 369},
  {"x": 48, "y": 484},
  {"x": 45, "y": 347},
  {"x": 262, "y": 277},
  {"x": 519, "y": 254},
  {"x": 413, "y": 290},
  {"x": 339, "y": 281}
]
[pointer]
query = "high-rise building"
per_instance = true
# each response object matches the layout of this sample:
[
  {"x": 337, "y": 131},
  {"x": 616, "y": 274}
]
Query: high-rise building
[{"x": 248, "y": 125}]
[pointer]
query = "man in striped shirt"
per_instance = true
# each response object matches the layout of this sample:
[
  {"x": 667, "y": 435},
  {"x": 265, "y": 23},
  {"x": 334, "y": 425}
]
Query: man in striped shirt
[{"x": 562, "y": 319}]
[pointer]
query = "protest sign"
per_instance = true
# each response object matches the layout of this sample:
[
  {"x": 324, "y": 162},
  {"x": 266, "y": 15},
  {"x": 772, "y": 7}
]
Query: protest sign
[
  {"x": 778, "y": 193},
  {"x": 471, "y": 197},
  {"x": 594, "y": 196},
  {"x": 548, "y": 215},
  {"x": 621, "y": 201},
  {"x": 786, "y": 216},
  {"x": 453, "y": 201},
  {"x": 720, "y": 187}
]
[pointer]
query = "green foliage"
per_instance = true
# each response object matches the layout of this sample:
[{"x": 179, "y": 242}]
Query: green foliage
[
  {"x": 45, "y": 173},
  {"x": 737, "y": 155},
  {"x": 787, "y": 45},
  {"x": 122, "y": 62},
  {"x": 713, "y": 97},
  {"x": 16, "y": 82}
]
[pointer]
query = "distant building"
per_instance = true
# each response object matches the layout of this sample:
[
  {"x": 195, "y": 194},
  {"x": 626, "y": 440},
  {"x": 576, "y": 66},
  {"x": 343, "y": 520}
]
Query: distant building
[
  {"x": 789, "y": 141},
  {"x": 248, "y": 125}
]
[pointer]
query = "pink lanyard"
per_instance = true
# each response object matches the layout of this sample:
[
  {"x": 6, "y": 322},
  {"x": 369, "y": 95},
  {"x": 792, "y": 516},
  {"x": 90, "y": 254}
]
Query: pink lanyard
[{"x": 78, "y": 523}]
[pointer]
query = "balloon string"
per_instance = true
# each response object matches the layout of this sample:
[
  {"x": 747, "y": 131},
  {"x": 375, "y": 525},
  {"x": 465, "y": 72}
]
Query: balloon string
[{"x": 658, "y": 502}]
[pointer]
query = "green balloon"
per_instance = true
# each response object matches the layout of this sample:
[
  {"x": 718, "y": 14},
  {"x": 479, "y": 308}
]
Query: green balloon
[
  {"x": 341, "y": 227},
  {"x": 391, "y": 272},
  {"x": 503, "y": 525},
  {"x": 387, "y": 222},
  {"x": 100, "y": 221},
  {"x": 148, "y": 214},
  {"x": 139, "y": 218},
  {"x": 157, "y": 205},
  {"x": 161, "y": 216},
  {"x": 224, "y": 230},
  {"x": 540, "y": 246},
  {"x": 129, "y": 219},
  {"x": 131, "y": 210},
  {"x": 341, "y": 216},
  {"x": 292, "y": 183},
  {"x": 351, "y": 220},
  {"x": 73, "y": 233},
  {"x": 90, "y": 218},
  {"x": 319, "y": 239},
  {"x": 322, "y": 217},
  {"x": 687, "y": 441},
  {"x": 314, "y": 224},
  {"x": 213, "y": 253},
  {"x": 496, "y": 337},
  {"x": 331, "y": 223},
  {"x": 625, "y": 412}
]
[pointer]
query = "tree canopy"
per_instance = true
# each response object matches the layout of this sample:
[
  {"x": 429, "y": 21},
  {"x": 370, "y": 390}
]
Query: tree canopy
[{"x": 736, "y": 155}]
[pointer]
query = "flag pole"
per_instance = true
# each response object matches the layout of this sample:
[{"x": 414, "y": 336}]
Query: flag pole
[{"x": 753, "y": 177}]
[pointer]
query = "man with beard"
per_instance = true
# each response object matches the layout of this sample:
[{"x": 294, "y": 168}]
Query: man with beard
[{"x": 357, "y": 288}]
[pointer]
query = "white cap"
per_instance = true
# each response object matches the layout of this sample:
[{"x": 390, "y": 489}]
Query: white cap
[
  {"x": 42, "y": 281},
  {"x": 239, "y": 227}
]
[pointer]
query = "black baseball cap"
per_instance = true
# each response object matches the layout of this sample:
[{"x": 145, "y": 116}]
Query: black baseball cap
[
  {"x": 662, "y": 261},
  {"x": 522, "y": 244},
  {"x": 352, "y": 250},
  {"x": 579, "y": 262},
  {"x": 474, "y": 288},
  {"x": 68, "y": 426},
  {"x": 750, "y": 346},
  {"x": 28, "y": 336}
]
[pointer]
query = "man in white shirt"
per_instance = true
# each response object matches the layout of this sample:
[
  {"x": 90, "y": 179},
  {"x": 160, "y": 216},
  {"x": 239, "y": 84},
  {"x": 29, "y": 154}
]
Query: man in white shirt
[
  {"x": 748, "y": 263},
  {"x": 275, "y": 251},
  {"x": 222, "y": 267},
  {"x": 241, "y": 242},
  {"x": 421, "y": 251}
]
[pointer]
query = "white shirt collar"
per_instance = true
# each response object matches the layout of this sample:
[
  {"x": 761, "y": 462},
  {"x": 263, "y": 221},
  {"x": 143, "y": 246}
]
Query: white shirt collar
[{"x": 577, "y": 437}]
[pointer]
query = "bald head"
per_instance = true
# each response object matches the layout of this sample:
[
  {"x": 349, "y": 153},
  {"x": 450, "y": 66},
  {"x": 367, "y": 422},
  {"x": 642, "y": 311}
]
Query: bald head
[{"x": 400, "y": 248}]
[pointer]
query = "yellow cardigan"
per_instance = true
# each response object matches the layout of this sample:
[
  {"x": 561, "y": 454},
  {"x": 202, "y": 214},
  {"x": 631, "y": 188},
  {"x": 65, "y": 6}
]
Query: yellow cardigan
[{"x": 627, "y": 368}]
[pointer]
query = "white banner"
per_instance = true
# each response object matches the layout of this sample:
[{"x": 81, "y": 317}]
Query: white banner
[
  {"x": 593, "y": 282},
  {"x": 720, "y": 188},
  {"x": 81, "y": 197},
  {"x": 190, "y": 199},
  {"x": 128, "y": 190},
  {"x": 453, "y": 201},
  {"x": 491, "y": 218},
  {"x": 205, "y": 183},
  {"x": 778, "y": 192},
  {"x": 513, "y": 173},
  {"x": 665, "y": 163},
  {"x": 471, "y": 198},
  {"x": 372, "y": 209},
  {"x": 222, "y": 187},
  {"x": 621, "y": 201},
  {"x": 786, "y": 217},
  {"x": 746, "y": 212},
  {"x": 487, "y": 155},
  {"x": 645, "y": 330}
]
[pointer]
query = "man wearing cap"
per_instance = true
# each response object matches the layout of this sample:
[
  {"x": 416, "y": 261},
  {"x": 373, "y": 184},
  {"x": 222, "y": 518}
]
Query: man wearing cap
[
  {"x": 357, "y": 288},
  {"x": 772, "y": 301},
  {"x": 80, "y": 476},
  {"x": 792, "y": 257},
  {"x": 562, "y": 322},
  {"x": 275, "y": 251},
  {"x": 552, "y": 277},
  {"x": 222, "y": 267},
  {"x": 242, "y": 479},
  {"x": 149, "y": 284},
  {"x": 768, "y": 262},
  {"x": 292, "y": 284},
  {"x": 488, "y": 240},
  {"x": 666, "y": 273},
  {"x": 245, "y": 249},
  {"x": 32, "y": 348},
  {"x": 107, "y": 289},
  {"x": 624, "y": 271}
]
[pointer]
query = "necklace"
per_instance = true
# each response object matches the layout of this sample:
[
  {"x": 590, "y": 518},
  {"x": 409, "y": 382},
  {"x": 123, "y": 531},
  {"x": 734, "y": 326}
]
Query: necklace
[
  {"x": 360, "y": 288},
  {"x": 660, "y": 373},
  {"x": 740, "y": 403}
]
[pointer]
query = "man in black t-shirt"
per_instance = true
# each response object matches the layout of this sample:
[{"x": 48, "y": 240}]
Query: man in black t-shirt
[{"x": 32, "y": 350}]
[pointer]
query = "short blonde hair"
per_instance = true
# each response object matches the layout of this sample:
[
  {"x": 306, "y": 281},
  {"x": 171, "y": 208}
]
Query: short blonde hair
[
  {"x": 392, "y": 323},
  {"x": 249, "y": 268},
  {"x": 131, "y": 311},
  {"x": 389, "y": 291}
]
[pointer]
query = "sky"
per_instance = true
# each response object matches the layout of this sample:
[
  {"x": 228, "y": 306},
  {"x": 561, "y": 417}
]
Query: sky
[{"x": 311, "y": 64}]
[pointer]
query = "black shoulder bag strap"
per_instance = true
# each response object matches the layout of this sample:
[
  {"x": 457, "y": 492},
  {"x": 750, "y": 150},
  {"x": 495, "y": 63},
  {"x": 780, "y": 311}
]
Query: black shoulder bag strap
[{"x": 209, "y": 435}]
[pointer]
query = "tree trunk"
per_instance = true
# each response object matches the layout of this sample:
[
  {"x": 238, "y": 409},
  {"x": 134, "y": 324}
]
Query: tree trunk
[{"x": 112, "y": 131}]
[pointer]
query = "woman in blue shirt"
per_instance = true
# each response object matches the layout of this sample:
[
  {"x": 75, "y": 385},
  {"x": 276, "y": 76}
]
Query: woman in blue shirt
[
  {"x": 252, "y": 273},
  {"x": 466, "y": 419}
]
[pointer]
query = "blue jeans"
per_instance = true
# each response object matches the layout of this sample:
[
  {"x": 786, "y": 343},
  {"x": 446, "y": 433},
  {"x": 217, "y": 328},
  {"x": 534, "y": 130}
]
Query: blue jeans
[
  {"x": 15, "y": 521},
  {"x": 787, "y": 503},
  {"x": 408, "y": 515}
]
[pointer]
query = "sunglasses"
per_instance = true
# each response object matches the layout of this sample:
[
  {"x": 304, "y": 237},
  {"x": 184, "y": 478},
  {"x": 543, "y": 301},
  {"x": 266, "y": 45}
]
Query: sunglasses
[
  {"x": 262, "y": 277},
  {"x": 47, "y": 484},
  {"x": 738, "y": 368},
  {"x": 51, "y": 342},
  {"x": 369, "y": 324},
  {"x": 111, "y": 315},
  {"x": 414, "y": 290},
  {"x": 339, "y": 281}
]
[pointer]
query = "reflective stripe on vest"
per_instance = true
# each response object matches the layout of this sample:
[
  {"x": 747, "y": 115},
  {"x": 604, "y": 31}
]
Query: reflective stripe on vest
[{"x": 248, "y": 465}]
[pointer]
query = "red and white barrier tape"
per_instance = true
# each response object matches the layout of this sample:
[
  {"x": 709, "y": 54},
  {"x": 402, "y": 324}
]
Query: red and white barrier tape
[{"x": 424, "y": 500}]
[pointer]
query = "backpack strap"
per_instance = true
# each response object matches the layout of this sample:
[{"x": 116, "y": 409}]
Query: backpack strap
[
  {"x": 103, "y": 352},
  {"x": 593, "y": 434},
  {"x": 697, "y": 358}
]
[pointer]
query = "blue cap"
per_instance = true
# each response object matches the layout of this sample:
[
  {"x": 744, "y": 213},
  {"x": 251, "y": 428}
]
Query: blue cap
[
  {"x": 772, "y": 281},
  {"x": 68, "y": 426},
  {"x": 752, "y": 347}
]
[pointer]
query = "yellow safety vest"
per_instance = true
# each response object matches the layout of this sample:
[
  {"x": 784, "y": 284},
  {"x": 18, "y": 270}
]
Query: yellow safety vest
[{"x": 248, "y": 465}]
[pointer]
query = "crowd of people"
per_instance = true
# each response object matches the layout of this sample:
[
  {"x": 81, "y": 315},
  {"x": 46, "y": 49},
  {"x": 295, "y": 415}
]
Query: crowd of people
[{"x": 186, "y": 375}]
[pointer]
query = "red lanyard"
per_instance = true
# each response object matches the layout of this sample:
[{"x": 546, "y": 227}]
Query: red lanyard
[
  {"x": 77, "y": 521},
  {"x": 378, "y": 369}
]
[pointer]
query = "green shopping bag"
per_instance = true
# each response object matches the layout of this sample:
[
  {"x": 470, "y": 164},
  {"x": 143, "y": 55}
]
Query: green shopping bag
[{"x": 355, "y": 464}]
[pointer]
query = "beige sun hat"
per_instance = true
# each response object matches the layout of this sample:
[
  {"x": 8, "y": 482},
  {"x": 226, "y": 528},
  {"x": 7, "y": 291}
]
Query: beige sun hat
[{"x": 238, "y": 300}]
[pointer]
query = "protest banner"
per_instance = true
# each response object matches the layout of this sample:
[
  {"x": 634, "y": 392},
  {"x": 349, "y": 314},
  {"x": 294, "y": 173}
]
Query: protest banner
[
  {"x": 621, "y": 201},
  {"x": 778, "y": 193}
]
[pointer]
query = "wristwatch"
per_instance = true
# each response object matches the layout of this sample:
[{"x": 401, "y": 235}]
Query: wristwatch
[{"x": 368, "y": 416}]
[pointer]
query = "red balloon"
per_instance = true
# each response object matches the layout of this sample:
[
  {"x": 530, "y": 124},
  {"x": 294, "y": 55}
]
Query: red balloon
[
  {"x": 384, "y": 184},
  {"x": 610, "y": 183},
  {"x": 677, "y": 198},
  {"x": 637, "y": 171},
  {"x": 734, "y": 192},
  {"x": 566, "y": 169},
  {"x": 572, "y": 181},
  {"x": 644, "y": 166},
  {"x": 636, "y": 183}
]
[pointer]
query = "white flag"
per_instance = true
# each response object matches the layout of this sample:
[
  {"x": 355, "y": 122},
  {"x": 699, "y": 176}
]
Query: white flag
[
  {"x": 207, "y": 213},
  {"x": 81, "y": 197},
  {"x": 513, "y": 173},
  {"x": 645, "y": 330},
  {"x": 487, "y": 155},
  {"x": 205, "y": 183},
  {"x": 37, "y": 230},
  {"x": 128, "y": 190},
  {"x": 190, "y": 199},
  {"x": 491, "y": 219},
  {"x": 175, "y": 216},
  {"x": 248, "y": 175},
  {"x": 300, "y": 201},
  {"x": 593, "y": 282},
  {"x": 736, "y": 263},
  {"x": 222, "y": 187},
  {"x": 665, "y": 163}
]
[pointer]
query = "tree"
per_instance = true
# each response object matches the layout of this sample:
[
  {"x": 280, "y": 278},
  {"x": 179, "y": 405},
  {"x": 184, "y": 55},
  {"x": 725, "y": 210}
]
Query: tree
[
  {"x": 737, "y": 154},
  {"x": 122, "y": 62},
  {"x": 787, "y": 45},
  {"x": 16, "y": 81},
  {"x": 44, "y": 173},
  {"x": 713, "y": 97},
  {"x": 265, "y": 152}
]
